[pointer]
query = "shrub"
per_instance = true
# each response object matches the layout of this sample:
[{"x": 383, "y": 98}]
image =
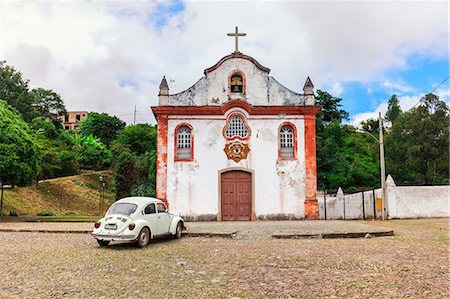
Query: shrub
[{"x": 46, "y": 213}]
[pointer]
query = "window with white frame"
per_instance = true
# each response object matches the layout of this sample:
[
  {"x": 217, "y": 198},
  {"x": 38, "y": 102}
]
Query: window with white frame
[
  {"x": 184, "y": 143},
  {"x": 236, "y": 127},
  {"x": 287, "y": 142}
]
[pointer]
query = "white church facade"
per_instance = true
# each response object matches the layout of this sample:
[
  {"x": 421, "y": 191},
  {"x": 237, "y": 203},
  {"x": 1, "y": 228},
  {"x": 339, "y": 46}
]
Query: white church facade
[{"x": 237, "y": 145}]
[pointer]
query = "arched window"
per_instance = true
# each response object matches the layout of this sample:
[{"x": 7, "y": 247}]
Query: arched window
[
  {"x": 236, "y": 83},
  {"x": 236, "y": 128},
  {"x": 184, "y": 143},
  {"x": 287, "y": 141}
]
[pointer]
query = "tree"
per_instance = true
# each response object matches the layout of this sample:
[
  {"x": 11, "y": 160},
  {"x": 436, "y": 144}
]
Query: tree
[
  {"x": 14, "y": 90},
  {"x": 139, "y": 139},
  {"x": 102, "y": 126},
  {"x": 393, "y": 110},
  {"x": 48, "y": 103},
  {"x": 345, "y": 157},
  {"x": 329, "y": 109},
  {"x": 19, "y": 155},
  {"x": 139, "y": 142},
  {"x": 124, "y": 175},
  {"x": 91, "y": 153},
  {"x": 417, "y": 146}
]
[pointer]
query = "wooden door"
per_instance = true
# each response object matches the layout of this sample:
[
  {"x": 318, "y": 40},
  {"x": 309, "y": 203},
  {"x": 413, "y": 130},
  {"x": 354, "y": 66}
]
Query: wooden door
[{"x": 236, "y": 195}]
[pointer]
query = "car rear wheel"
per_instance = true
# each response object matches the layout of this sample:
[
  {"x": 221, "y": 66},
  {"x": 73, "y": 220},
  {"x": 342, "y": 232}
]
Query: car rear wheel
[
  {"x": 179, "y": 230},
  {"x": 144, "y": 238},
  {"x": 103, "y": 243}
]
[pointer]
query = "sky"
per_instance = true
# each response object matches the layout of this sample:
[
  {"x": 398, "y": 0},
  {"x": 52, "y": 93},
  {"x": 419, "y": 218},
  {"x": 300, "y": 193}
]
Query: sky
[{"x": 110, "y": 56}]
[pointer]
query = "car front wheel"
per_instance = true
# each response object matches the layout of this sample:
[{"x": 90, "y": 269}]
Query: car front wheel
[
  {"x": 144, "y": 238},
  {"x": 103, "y": 243},
  {"x": 179, "y": 230}
]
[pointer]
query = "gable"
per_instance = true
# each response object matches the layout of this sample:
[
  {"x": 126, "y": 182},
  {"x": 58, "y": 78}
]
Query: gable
[{"x": 260, "y": 89}]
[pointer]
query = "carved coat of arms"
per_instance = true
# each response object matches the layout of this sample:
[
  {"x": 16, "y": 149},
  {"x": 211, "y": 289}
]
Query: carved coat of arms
[{"x": 236, "y": 151}]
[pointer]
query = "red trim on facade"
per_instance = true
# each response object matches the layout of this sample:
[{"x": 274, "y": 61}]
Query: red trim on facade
[
  {"x": 161, "y": 158},
  {"x": 294, "y": 132},
  {"x": 245, "y": 124},
  {"x": 311, "y": 203},
  {"x": 237, "y": 55},
  {"x": 244, "y": 82},
  {"x": 221, "y": 110},
  {"x": 175, "y": 158}
]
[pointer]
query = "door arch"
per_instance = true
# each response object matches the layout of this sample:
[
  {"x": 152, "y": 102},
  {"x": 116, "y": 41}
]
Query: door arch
[{"x": 236, "y": 195}]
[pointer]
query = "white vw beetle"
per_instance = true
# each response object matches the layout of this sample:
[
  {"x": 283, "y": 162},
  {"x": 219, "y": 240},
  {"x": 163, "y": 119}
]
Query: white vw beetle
[{"x": 137, "y": 219}]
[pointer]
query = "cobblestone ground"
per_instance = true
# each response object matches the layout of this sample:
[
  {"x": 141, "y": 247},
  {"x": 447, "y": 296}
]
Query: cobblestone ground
[{"x": 414, "y": 263}]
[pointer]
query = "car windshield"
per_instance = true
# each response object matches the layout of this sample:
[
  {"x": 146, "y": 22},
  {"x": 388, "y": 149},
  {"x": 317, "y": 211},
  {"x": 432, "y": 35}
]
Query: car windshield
[{"x": 123, "y": 208}]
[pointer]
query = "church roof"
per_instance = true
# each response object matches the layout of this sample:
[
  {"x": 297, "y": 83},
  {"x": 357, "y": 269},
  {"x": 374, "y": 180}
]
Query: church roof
[{"x": 237, "y": 54}]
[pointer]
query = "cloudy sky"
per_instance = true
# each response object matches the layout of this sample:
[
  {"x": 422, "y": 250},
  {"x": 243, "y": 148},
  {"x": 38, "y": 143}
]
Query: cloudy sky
[{"x": 110, "y": 56}]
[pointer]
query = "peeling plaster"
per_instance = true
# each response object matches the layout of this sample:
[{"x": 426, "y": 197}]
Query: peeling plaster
[{"x": 261, "y": 89}]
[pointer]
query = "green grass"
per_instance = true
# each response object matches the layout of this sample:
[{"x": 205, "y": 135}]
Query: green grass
[{"x": 66, "y": 219}]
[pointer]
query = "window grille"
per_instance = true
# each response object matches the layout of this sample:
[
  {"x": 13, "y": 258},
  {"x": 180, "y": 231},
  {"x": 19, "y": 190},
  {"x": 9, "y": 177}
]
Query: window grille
[
  {"x": 286, "y": 142},
  {"x": 236, "y": 127},
  {"x": 184, "y": 143}
]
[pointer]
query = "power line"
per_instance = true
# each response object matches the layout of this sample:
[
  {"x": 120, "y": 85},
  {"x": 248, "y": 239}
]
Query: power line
[{"x": 439, "y": 85}]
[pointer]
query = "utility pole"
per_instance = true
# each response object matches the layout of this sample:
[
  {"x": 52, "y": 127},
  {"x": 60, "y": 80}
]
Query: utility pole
[
  {"x": 1, "y": 199},
  {"x": 134, "y": 121},
  {"x": 383, "y": 171}
]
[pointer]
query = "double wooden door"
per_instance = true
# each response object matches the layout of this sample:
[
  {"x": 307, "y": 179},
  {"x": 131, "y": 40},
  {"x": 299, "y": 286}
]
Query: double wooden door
[{"x": 236, "y": 195}]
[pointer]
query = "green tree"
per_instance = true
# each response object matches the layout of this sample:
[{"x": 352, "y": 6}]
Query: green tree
[
  {"x": 19, "y": 154},
  {"x": 345, "y": 157},
  {"x": 144, "y": 169},
  {"x": 102, "y": 126},
  {"x": 124, "y": 175},
  {"x": 48, "y": 103},
  {"x": 139, "y": 139},
  {"x": 417, "y": 146},
  {"x": 371, "y": 126},
  {"x": 330, "y": 109},
  {"x": 91, "y": 153},
  {"x": 140, "y": 142},
  {"x": 393, "y": 110},
  {"x": 15, "y": 91}
]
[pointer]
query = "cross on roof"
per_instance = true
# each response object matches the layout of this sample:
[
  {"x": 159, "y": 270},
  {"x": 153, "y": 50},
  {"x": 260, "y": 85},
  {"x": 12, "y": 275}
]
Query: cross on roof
[{"x": 236, "y": 35}]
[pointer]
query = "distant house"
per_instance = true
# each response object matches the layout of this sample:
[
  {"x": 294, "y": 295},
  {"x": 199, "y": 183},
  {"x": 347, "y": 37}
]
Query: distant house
[{"x": 72, "y": 119}]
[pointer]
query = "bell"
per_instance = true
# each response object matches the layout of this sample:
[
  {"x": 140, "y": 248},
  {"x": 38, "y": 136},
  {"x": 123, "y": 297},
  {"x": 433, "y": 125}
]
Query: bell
[{"x": 236, "y": 88}]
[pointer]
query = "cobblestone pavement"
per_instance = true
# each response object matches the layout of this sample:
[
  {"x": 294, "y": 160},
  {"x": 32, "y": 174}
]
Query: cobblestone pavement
[
  {"x": 244, "y": 229},
  {"x": 413, "y": 263}
]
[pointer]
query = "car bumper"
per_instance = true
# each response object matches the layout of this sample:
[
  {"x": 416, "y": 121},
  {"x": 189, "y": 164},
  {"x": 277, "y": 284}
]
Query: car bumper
[{"x": 114, "y": 237}]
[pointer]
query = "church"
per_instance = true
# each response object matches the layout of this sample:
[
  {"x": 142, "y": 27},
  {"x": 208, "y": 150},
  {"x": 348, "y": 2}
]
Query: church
[{"x": 237, "y": 145}]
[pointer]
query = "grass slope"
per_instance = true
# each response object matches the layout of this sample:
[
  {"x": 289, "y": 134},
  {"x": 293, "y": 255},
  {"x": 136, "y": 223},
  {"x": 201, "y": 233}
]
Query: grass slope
[{"x": 72, "y": 195}]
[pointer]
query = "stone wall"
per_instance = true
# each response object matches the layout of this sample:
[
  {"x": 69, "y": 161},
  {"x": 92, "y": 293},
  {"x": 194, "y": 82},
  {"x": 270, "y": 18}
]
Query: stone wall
[
  {"x": 402, "y": 202},
  {"x": 417, "y": 201},
  {"x": 360, "y": 205}
]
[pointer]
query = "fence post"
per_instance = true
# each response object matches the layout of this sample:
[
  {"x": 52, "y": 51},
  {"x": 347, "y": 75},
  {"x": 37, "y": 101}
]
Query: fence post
[
  {"x": 363, "y": 206},
  {"x": 374, "y": 205},
  {"x": 340, "y": 194},
  {"x": 325, "y": 203}
]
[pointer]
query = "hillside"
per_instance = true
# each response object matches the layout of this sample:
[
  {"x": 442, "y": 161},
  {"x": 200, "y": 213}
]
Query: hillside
[{"x": 72, "y": 195}]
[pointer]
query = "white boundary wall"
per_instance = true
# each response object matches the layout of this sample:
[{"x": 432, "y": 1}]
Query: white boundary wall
[
  {"x": 402, "y": 202},
  {"x": 418, "y": 202}
]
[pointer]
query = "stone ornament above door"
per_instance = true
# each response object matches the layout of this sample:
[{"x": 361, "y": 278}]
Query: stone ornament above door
[{"x": 236, "y": 151}]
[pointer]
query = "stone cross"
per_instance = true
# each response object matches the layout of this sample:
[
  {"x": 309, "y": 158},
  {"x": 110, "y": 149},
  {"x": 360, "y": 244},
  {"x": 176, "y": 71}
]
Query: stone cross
[{"x": 236, "y": 35}]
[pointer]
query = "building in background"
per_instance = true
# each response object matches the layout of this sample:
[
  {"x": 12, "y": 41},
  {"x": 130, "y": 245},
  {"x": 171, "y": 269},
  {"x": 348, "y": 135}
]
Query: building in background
[{"x": 72, "y": 119}]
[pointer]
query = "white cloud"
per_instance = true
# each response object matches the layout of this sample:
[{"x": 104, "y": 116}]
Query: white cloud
[
  {"x": 83, "y": 50},
  {"x": 396, "y": 87}
]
